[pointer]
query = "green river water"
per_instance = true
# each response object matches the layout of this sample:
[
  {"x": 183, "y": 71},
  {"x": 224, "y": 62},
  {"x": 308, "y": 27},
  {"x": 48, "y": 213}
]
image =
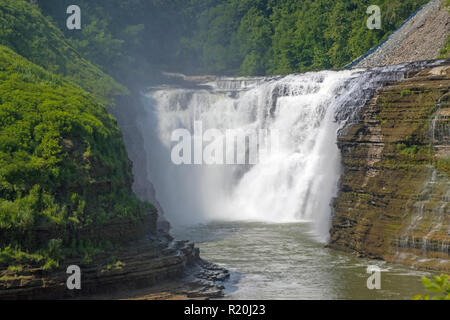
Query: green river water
[{"x": 284, "y": 261}]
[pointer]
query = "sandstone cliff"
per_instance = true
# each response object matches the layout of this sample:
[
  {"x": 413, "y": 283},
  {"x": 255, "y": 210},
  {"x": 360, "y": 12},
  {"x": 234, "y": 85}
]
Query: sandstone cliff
[{"x": 394, "y": 194}]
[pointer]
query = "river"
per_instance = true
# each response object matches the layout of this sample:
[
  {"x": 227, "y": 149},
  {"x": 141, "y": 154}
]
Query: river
[{"x": 286, "y": 261}]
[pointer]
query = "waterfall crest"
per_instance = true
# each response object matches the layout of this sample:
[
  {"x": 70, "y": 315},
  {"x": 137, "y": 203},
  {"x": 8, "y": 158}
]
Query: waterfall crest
[{"x": 297, "y": 183}]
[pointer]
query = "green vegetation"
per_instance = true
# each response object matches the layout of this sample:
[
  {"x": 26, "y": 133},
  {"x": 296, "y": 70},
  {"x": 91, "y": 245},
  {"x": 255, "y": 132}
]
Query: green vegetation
[
  {"x": 9, "y": 255},
  {"x": 129, "y": 39},
  {"x": 443, "y": 165},
  {"x": 412, "y": 151},
  {"x": 114, "y": 265},
  {"x": 64, "y": 170},
  {"x": 26, "y": 31},
  {"x": 445, "y": 52},
  {"x": 233, "y": 37},
  {"x": 405, "y": 93},
  {"x": 63, "y": 165},
  {"x": 439, "y": 286},
  {"x": 407, "y": 150}
]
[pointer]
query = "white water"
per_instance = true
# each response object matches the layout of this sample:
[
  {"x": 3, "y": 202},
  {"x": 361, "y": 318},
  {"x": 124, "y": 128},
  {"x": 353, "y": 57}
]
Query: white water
[{"x": 295, "y": 184}]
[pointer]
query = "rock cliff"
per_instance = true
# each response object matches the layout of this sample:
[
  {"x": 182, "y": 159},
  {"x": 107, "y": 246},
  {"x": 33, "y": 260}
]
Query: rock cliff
[
  {"x": 393, "y": 202},
  {"x": 139, "y": 261}
]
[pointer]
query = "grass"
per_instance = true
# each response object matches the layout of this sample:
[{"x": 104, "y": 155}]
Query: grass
[
  {"x": 405, "y": 93},
  {"x": 114, "y": 265},
  {"x": 408, "y": 151},
  {"x": 443, "y": 165}
]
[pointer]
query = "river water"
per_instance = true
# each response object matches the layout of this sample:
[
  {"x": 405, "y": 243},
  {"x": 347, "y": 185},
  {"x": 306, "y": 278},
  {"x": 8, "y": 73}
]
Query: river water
[{"x": 285, "y": 261}]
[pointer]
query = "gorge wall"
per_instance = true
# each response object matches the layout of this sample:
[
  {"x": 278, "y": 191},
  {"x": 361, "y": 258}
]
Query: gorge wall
[{"x": 393, "y": 200}]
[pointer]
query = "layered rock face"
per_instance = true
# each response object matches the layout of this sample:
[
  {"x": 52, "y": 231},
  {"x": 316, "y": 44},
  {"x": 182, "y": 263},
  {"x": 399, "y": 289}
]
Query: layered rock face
[
  {"x": 141, "y": 261},
  {"x": 394, "y": 199}
]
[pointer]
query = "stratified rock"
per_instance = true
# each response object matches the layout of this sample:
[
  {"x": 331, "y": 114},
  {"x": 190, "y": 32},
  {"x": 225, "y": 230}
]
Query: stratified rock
[
  {"x": 394, "y": 194},
  {"x": 140, "y": 260}
]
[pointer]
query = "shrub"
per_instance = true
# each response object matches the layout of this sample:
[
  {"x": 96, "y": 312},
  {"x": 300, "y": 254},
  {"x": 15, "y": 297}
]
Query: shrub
[
  {"x": 405, "y": 93},
  {"x": 408, "y": 151},
  {"x": 439, "y": 286}
]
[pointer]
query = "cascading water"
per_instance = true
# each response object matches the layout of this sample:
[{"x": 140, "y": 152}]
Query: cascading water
[{"x": 296, "y": 183}]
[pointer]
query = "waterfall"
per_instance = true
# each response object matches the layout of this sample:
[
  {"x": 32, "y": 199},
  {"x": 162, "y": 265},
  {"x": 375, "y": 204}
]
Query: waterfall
[{"x": 295, "y": 183}]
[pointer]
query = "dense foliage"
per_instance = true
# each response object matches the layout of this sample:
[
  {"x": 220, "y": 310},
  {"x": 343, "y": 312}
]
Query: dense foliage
[
  {"x": 25, "y": 30},
  {"x": 246, "y": 37},
  {"x": 61, "y": 153},
  {"x": 276, "y": 37},
  {"x": 129, "y": 39},
  {"x": 64, "y": 170}
]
